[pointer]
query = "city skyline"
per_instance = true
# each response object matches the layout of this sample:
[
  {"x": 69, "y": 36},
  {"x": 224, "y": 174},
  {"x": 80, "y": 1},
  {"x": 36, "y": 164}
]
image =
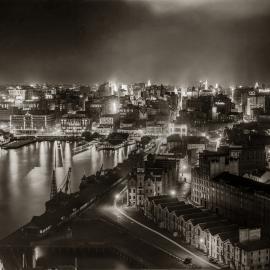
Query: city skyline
[
  {"x": 134, "y": 134},
  {"x": 177, "y": 42}
]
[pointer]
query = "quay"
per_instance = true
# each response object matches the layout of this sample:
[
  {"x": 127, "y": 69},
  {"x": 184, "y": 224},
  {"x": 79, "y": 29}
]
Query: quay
[
  {"x": 64, "y": 207},
  {"x": 110, "y": 147},
  {"x": 18, "y": 143},
  {"x": 70, "y": 220},
  {"x": 84, "y": 147}
]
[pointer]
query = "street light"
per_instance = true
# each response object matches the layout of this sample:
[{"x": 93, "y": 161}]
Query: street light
[
  {"x": 116, "y": 198},
  {"x": 173, "y": 192}
]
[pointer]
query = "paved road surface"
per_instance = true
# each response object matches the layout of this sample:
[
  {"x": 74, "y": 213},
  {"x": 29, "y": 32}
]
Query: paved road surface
[{"x": 106, "y": 208}]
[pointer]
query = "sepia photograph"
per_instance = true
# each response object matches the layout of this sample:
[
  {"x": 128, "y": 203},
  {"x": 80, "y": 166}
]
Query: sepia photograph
[{"x": 134, "y": 134}]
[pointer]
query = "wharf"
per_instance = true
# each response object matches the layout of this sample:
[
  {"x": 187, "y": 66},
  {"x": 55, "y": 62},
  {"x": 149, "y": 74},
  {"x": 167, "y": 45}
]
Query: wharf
[
  {"x": 110, "y": 147},
  {"x": 83, "y": 148},
  {"x": 18, "y": 143}
]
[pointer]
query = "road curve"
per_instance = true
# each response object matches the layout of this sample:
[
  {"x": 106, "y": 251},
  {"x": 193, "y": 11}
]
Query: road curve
[{"x": 166, "y": 238}]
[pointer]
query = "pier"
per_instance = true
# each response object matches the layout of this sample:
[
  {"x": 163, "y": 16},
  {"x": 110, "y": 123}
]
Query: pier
[
  {"x": 18, "y": 143},
  {"x": 82, "y": 148}
]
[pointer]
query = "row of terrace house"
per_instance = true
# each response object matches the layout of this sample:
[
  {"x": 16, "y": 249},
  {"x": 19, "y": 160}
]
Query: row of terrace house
[{"x": 223, "y": 242}]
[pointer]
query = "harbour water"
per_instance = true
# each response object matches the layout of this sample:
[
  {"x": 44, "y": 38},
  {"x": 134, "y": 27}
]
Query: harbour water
[{"x": 25, "y": 177}]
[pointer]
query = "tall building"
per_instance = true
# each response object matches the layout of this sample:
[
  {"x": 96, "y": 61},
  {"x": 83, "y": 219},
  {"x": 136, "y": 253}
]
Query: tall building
[
  {"x": 241, "y": 200},
  {"x": 235, "y": 160}
]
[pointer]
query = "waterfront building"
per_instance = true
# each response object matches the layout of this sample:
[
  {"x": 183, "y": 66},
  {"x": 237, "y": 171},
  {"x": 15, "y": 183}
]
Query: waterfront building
[
  {"x": 74, "y": 124},
  {"x": 107, "y": 124},
  {"x": 17, "y": 93},
  {"x": 31, "y": 123}
]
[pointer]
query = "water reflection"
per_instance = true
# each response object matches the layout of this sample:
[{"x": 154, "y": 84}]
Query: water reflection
[{"x": 26, "y": 177}]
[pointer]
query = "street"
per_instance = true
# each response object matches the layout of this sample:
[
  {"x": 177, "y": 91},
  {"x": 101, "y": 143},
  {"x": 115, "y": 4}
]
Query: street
[{"x": 108, "y": 209}]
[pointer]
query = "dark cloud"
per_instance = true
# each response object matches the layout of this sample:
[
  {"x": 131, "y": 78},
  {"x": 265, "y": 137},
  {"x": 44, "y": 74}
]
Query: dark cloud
[{"x": 180, "y": 42}]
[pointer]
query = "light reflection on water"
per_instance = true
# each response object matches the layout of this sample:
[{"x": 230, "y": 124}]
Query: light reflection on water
[{"x": 25, "y": 177}]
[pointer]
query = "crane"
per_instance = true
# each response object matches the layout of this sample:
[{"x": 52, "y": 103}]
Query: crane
[{"x": 65, "y": 187}]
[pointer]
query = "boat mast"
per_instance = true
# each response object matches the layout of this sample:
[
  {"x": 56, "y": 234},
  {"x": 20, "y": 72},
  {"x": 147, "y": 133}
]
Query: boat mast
[{"x": 53, "y": 184}]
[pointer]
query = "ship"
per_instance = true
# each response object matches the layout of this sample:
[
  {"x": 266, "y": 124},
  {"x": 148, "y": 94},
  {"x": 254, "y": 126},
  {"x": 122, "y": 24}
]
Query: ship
[
  {"x": 102, "y": 176},
  {"x": 64, "y": 205}
]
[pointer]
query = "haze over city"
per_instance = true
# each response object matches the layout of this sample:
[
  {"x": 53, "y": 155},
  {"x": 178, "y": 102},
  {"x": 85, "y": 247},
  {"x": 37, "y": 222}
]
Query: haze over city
[
  {"x": 169, "y": 41},
  {"x": 134, "y": 134}
]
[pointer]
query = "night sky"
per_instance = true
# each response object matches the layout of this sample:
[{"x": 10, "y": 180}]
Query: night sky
[{"x": 173, "y": 41}]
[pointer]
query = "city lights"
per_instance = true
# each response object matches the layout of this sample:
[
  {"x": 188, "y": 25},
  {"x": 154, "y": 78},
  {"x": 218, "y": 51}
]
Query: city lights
[
  {"x": 135, "y": 134},
  {"x": 151, "y": 141},
  {"x": 114, "y": 107}
]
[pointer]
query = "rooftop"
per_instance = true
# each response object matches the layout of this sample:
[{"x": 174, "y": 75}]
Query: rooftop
[
  {"x": 208, "y": 217},
  {"x": 254, "y": 245},
  {"x": 175, "y": 206},
  {"x": 233, "y": 236},
  {"x": 187, "y": 211},
  {"x": 242, "y": 183},
  {"x": 223, "y": 228},
  {"x": 199, "y": 213},
  {"x": 169, "y": 204}
]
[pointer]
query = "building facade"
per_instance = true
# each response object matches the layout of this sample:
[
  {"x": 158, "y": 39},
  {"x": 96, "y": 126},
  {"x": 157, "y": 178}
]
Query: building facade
[
  {"x": 74, "y": 124},
  {"x": 30, "y": 123},
  {"x": 224, "y": 242}
]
